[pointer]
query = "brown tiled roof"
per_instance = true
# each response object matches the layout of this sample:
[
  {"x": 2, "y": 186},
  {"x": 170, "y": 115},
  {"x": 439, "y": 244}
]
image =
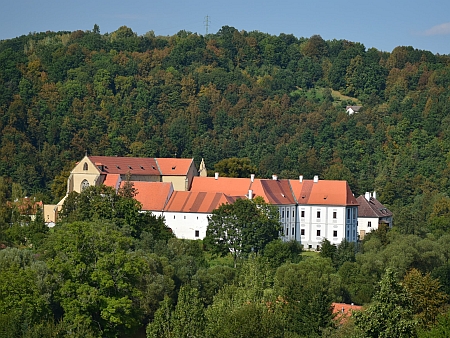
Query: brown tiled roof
[
  {"x": 124, "y": 165},
  {"x": 201, "y": 202},
  {"x": 325, "y": 192},
  {"x": 372, "y": 208},
  {"x": 276, "y": 192},
  {"x": 354, "y": 108},
  {"x": 227, "y": 185},
  {"x": 174, "y": 166},
  {"x": 152, "y": 195}
]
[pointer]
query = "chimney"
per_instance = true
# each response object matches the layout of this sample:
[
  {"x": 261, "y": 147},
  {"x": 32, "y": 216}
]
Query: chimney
[
  {"x": 300, "y": 178},
  {"x": 374, "y": 195},
  {"x": 252, "y": 177},
  {"x": 216, "y": 176},
  {"x": 316, "y": 179},
  {"x": 250, "y": 194},
  {"x": 367, "y": 196},
  {"x": 274, "y": 177}
]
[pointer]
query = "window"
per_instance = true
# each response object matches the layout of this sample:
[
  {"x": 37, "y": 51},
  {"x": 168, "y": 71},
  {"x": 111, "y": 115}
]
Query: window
[
  {"x": 292, "y": 232},
  {"x": 287, "y": 231},
  {"x": 173, "y": 216},
  {"x": 369, "y": 224},
  {"x": 334, "y": 233},
  {"x": 318, "y": 214},
  {"x": 184, "y": 217},
  {"x": 197, "y": 233},
  {"x": 318, "y": 232},
  {"x": 282, "y": 213},
  {"x": 348, "y": 213},
  {"x": 85, "y": 166},
  {"x": 302, "y": 232},
  {"x": 334, "y": 214},
  {"x": 293, "y": 212},
  {"x": 303, "y": 213},
  {"x": 84, "y": 185}
]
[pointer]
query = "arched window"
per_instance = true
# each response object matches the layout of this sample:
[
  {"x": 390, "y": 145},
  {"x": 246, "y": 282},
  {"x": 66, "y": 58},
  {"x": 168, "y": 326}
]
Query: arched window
[
  {"x": 84, "y": 185},
  {"x": 85, "y": 166}
]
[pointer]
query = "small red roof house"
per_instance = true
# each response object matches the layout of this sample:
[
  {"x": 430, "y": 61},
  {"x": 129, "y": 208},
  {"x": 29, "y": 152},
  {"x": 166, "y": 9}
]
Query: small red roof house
[
  {"x": 344, "y": 311},
  {"x": 26, "y": 207}
]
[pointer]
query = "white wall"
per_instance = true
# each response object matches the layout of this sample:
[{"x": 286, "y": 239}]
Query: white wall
[
  {"x": 289, "y": 222},
  {"x": 363, "y": 225},
  {"x": 187, "y": 225},
  {"x": 332, "y": 224}
]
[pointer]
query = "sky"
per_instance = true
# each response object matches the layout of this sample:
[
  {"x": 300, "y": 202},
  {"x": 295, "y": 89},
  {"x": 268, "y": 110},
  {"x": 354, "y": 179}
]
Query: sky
[{"x": 382, "y": 24}]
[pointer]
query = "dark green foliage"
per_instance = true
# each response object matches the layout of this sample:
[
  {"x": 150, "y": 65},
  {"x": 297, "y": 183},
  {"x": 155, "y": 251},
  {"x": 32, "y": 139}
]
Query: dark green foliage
[
  {"x": 241, "y": 228},
  {"x": 308, "y": 288},
  {"x": 102, "y": 203},
  {"x": 278, "y": 252},
  {"x": 391, "y": 314}
]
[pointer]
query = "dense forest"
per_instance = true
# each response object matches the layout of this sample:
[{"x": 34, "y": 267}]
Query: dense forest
[{"x": 279, "y": 102}]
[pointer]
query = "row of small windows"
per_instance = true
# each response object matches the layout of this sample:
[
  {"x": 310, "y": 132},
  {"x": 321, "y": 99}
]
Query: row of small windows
[
  {"x": 318, "y": 214},
  {"x": 184, "y": 217},
  {"x": 318, "y": 233},
  {"x": 287, "y": 213}
]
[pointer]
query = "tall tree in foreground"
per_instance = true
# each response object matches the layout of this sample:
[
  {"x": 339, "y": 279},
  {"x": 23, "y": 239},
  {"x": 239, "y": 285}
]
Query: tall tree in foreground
[
  {"x": 242, "y": 227},
  {"x": 428, "y": 299},
  {"x": 390, "y": 315}
]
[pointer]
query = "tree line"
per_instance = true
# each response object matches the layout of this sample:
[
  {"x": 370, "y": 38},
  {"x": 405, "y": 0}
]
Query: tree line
[{"x": 107, "y": 269}]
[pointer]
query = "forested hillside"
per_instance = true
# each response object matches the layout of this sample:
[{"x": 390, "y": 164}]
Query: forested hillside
[
  {"x": 270, "y": 98},
  {"x": 279, "y": 102}
]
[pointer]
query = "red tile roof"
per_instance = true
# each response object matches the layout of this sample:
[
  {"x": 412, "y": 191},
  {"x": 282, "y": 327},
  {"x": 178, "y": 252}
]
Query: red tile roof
[
  {"x": 372, "y": 208},
  {"x": 124, "y": 165},
  {"x": 325, "y": 192},
  {"x": 344, "y": 311},
  {"x": 152, "y": 195},
  {"x": 273, "y": 191},
  {"x": 201, "y": 202},
  {"x": 111, "y": 180},
  {"x": 174, "y": 166},
  {"x": 227, "y": 185}
]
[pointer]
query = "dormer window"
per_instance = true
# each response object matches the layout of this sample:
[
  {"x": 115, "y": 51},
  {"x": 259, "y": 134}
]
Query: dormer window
[{"x": 85, "y": 166}]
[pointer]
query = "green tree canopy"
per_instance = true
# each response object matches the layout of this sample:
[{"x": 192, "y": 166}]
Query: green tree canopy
[{"x": 242, "y": 227}]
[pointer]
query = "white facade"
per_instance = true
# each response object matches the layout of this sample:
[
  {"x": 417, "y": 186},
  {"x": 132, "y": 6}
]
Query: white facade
[
  {"x": 186, "y": 225},
  {"x": 335, "y": 223},
  {"x": 366, "y": 225},
  {"x": 289, "y": 222}
]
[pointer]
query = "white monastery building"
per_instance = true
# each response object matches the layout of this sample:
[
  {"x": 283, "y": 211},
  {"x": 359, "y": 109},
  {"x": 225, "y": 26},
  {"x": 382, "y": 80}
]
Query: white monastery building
[{"x": 309, "y": 210}]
